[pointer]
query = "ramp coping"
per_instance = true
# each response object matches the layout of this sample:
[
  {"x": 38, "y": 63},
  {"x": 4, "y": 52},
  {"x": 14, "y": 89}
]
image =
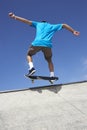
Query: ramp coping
[{"x": 39, "y": 87}]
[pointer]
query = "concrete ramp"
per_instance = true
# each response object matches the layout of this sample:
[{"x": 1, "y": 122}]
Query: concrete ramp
[{"x": 59, "y": 107}]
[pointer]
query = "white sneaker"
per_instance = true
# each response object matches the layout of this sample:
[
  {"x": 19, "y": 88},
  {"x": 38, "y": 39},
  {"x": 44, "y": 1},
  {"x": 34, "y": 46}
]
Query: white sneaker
[{"x": 52, "y": 80}]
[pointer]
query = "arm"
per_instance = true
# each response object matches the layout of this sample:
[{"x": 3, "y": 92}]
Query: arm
[
  {"x": 71, "y": 29},
  {"x": 20, "y": 18}
]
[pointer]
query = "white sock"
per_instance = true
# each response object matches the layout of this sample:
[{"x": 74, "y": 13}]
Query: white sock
[
  {"x": 30, "y": 65},
  {"x": 51, "y": 74}
]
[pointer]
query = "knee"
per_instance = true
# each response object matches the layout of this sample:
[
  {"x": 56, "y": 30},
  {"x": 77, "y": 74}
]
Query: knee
[{"x": 29, "y": 53}]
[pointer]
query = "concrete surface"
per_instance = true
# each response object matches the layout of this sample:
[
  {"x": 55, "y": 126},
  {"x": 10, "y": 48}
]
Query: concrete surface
[{"x": 59, "y": 107}]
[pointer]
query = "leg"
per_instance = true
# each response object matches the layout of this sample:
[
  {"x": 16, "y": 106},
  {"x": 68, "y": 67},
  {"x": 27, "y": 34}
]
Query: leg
[
  {"x": 50, "y": 64},
  {"x": 30, "y": 61},
  {"x": 32, "y": 50},
  {"x": 48, "y": 56},
  {"x": 29, "y": 58}
]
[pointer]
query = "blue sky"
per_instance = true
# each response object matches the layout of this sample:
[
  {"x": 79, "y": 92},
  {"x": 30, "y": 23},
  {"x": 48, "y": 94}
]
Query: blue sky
[{"x": 69, "y": 51}]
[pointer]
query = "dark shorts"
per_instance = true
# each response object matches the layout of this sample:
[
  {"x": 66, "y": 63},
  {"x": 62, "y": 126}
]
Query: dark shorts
[{"x": 46, "y": 51}]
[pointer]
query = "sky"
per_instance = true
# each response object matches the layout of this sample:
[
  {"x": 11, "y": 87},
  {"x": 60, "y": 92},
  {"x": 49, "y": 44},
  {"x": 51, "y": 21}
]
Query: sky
[{"x": 69, "y": 51}]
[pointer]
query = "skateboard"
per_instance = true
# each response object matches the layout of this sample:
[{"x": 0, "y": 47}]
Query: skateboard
[{"x": 32, "y": 78}]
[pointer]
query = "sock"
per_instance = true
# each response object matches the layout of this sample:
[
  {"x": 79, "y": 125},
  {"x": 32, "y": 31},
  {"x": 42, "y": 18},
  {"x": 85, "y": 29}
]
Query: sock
[
  {"x": 30, "y": 65},
  {"x": 51, "y": 74}
]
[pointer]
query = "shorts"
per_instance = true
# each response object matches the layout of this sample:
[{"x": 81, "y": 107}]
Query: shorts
[{"x": 46, "y": 51}]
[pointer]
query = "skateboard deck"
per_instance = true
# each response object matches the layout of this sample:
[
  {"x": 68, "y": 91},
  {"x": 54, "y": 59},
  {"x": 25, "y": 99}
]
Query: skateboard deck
[{"x": 35, "y": 77}]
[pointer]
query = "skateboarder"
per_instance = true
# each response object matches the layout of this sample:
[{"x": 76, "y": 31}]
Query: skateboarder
[{"x": 43, "y": 40}]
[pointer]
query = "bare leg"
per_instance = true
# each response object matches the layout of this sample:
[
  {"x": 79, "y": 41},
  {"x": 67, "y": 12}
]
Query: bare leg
[
  {"x": 29, "y": 59},
  {"x": 51, "y": 67}
]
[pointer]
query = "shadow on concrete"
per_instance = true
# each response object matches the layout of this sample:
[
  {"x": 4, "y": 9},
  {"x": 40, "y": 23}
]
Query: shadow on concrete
[{"x": 52, "y": 88}]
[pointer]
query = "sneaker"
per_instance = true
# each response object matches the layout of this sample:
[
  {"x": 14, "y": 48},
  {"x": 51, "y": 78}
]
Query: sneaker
[
  {"x": 31, "y": 72},
  {"x": 52, "y": 80}
]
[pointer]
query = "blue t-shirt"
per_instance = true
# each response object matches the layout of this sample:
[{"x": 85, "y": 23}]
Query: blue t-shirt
[{"x": 44, "y": 33}]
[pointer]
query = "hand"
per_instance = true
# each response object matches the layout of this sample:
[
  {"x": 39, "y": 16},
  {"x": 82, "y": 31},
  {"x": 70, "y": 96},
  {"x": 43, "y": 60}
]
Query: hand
[
  {"x": 12, "y": 15},
  {"x": 76, "y": 33}
]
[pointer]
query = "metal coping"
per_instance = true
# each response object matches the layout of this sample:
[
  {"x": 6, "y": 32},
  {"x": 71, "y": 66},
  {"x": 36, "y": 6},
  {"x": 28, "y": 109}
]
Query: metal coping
[{"x": 39, "y": 87}]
